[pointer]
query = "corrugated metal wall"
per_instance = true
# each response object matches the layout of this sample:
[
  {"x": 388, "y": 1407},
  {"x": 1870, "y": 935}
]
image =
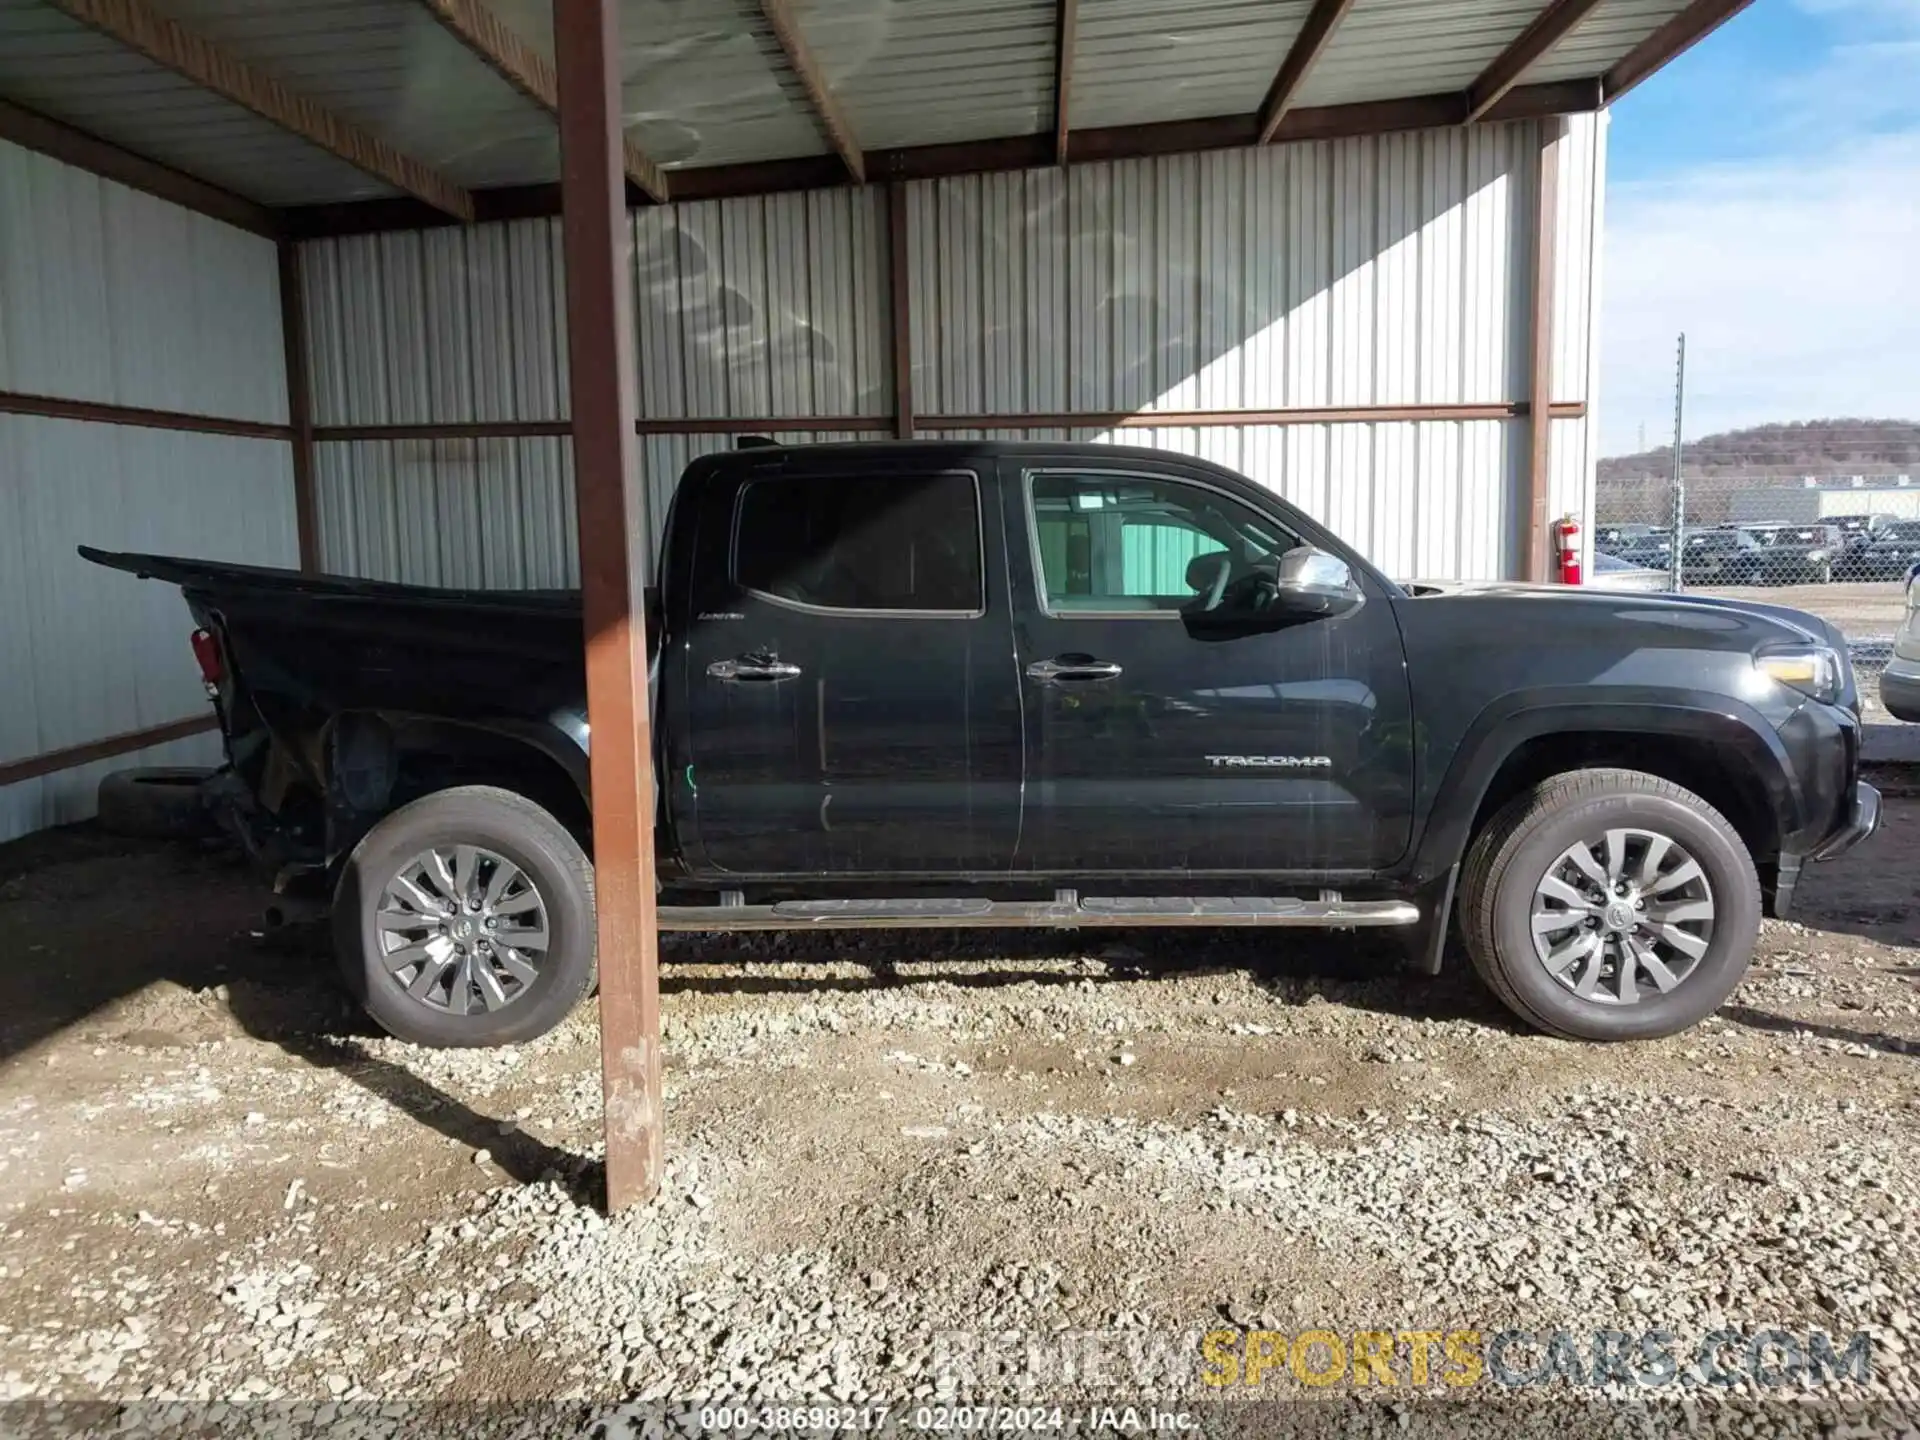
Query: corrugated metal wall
[
  {"x": 774, "y": 305},
  {"x": 1383, "y": 271},
  {"x": 111, "y": 296},
  {"x": 753, "y": 307}
]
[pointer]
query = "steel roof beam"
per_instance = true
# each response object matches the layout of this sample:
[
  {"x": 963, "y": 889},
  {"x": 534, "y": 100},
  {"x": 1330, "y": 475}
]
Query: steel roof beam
[
  {"x": 167, "y": 43},
  {"x": 826, "y": 105},
  {"x": 1321, "y": 22},
  {"x": 501, "y": 49},
  {"x": 1688, "y": 28},
  {"x": 975, "y": 157},
  {"x": 1547, "y": 30}
]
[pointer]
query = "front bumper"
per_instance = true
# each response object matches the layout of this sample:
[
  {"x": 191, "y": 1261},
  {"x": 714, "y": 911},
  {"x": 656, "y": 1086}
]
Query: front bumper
[{"x": 1862, "y": 819}]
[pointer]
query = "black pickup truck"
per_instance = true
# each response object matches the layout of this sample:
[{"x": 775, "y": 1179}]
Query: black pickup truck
[{"x": 982, "y": 684}]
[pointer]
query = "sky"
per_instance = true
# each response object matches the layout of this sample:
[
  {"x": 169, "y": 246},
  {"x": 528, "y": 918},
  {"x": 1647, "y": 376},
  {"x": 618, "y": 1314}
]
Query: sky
[{"x": 1763, "y": 195}]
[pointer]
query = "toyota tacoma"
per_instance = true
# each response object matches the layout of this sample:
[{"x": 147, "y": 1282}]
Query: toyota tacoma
[{"x": 944, "y": 684}]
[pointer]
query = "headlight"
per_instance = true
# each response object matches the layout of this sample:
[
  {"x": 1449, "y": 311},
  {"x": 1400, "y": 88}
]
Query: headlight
[
  {"x": 1811, "y": 669},
  {"x": 1816, "y": 556}
]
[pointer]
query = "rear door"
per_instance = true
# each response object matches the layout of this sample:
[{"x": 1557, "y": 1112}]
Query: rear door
[
  {"x": 852, "y": 702},
  {"x": 1152, "y": 749}
]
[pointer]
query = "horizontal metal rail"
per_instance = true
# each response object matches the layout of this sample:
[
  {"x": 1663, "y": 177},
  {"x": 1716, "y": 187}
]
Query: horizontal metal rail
[{"x": 1090, "y": 912}]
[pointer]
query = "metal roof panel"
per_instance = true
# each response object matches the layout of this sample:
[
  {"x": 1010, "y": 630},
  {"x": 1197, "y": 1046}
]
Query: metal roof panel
[
  {"x": 1390, "y": 49},
  {"x": 924, "y": 72},
  {"x": 1614, "y": 28},
  {"x": 1144, "y": 60},
  {"x": 391, "y": 68},
  {"x": 62, "y": 69},
  {"x": 705, "y": 82}
]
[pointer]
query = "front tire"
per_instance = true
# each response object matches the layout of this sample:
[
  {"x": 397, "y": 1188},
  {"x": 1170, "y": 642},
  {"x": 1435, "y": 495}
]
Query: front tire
[
  {"x": 1610, "y": 905},
  {"x": 466, "y": 919}
]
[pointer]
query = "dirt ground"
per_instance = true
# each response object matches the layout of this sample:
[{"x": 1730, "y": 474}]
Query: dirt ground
[{"x": 219, "y": 1184}]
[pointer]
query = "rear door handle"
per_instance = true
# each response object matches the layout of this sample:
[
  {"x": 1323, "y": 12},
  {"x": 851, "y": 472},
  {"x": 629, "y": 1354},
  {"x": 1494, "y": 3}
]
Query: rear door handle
[
  {"x": 752, "y": 667},
  {"x": 1073, "y": 667}
]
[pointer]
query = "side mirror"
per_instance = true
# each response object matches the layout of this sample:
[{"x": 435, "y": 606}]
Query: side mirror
[
  {"x": 1303, "y": 584},
  {"x": 1312, "y": 582}
]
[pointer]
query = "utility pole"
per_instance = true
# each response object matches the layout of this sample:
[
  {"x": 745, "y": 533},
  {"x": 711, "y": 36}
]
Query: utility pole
[{"x": 1678, "y": 521}]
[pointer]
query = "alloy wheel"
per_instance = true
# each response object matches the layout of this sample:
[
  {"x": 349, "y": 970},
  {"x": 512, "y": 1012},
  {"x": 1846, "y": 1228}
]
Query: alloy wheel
[
  {"x": 1622, "y": 916},
  {"x": 462, "y": 930}
]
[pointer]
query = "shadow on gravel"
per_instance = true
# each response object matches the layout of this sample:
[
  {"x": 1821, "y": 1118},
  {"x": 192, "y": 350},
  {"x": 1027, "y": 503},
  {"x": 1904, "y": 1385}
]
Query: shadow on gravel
[
  {"x": 1357, "y": 970},
  {"x": 313, "y": 1020},
  {"x": 1787, "y": 1025},
  {"x": 98, "y": 922}
]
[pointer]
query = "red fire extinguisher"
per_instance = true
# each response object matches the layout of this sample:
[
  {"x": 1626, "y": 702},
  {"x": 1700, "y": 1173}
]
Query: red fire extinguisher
[{"x": 1566, "y": 539}]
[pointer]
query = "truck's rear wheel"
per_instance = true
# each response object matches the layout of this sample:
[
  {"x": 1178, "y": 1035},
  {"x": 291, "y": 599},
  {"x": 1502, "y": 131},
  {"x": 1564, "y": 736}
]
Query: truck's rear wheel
[
  {"x": 466, "y": 918},
  {"x": 1610, "y": 905}
]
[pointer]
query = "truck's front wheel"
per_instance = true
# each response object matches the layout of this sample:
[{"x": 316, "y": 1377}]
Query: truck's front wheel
[
  {"x": 1610, "y": 905},
  {"x": 466, "y": 918}
]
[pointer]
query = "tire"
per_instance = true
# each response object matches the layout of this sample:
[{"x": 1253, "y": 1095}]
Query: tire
[
  {"x": 1526, "y": 844},
  {"x": 155, "y": 803},
  {"x": 482, "y": 831}
]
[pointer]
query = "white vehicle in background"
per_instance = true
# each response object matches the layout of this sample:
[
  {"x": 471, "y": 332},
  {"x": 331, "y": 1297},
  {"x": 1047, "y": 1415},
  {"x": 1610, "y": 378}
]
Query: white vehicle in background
[{"x": 1900, "y": 681}]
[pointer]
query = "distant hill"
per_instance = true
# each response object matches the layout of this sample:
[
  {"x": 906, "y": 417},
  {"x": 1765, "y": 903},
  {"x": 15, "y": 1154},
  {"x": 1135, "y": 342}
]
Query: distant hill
[{"x": 1804, "y": 447}]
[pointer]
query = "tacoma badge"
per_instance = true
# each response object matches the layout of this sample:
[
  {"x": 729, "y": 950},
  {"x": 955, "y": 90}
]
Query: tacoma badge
[{"x": 1272, "y": 762}]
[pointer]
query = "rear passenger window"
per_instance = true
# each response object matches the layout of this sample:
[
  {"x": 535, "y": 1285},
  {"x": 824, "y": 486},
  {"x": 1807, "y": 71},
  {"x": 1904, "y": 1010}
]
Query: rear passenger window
[{"x": 909, "y": 543}]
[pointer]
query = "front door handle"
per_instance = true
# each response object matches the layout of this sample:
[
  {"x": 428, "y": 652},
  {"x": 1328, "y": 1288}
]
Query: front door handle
[
  {"x": 1073, "y": 667},
  {"x": 752, "y": 667}
]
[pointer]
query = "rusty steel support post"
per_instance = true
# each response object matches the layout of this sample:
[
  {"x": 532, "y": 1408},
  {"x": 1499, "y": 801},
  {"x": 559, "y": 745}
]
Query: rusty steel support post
[
  {"x": 612, "y": 522},
  {"x": 293, "y": 330},
  {"x": 1533, "y": 551}
]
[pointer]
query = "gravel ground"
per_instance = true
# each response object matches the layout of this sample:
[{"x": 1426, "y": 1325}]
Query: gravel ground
[
  {"x": 217, "y": 1185},
  {"x": 1862, "y": 608}
]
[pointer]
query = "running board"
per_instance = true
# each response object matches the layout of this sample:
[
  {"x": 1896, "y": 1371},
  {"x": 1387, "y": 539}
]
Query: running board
[{"x": 1068, "y": 912}]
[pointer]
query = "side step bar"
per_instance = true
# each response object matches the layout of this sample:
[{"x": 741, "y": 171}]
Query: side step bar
[{"x": 1066, "y": 912}]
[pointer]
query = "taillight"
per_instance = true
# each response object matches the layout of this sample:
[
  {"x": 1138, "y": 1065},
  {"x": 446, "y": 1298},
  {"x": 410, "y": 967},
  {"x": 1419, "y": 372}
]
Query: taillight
[{"x": 206, "y": 650}]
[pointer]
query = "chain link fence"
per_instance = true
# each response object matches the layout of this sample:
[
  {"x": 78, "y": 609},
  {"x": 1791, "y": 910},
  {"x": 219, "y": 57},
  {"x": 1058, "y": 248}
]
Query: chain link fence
[{"x": 1838, "y": 546}]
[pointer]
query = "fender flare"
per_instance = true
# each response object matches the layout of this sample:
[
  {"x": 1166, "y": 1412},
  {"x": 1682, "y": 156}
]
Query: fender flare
[{"x": 1512, "y": 721}]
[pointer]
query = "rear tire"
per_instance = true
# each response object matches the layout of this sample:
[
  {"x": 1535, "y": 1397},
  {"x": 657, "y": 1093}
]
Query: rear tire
[
  {"x": 155, "y": 802},
  {"x": 1525, "y": 869},
  {"x": 458, "y": 979}
]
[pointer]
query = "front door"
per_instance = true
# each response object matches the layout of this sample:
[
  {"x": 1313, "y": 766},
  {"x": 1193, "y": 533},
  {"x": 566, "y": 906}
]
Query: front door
[
  {"x": 1152, "y": 748},
  {"x": 853, "y": 707}
]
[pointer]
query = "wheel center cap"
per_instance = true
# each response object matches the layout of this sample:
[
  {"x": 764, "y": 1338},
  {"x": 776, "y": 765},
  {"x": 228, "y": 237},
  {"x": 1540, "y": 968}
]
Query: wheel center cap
[
  {"x": 462, "y": 929},
  {"x": 1619, "y": 916}
]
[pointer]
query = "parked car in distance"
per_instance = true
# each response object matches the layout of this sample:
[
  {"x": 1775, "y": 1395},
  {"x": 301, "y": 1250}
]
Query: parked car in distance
[
  {"x": 1857, "y": 532},
  {"x": 1654, "y": 551},
  {"x": 1725, "y": 555},
  {"x": 1612, "y": 539},
  {"x": 1894, "y": 547},
  {"x": 978, "y": 684},
  {"x": 1610, "y": 572},
  {"x": 1900, "y": 680},
  {"x": 1797, "y": 554}
]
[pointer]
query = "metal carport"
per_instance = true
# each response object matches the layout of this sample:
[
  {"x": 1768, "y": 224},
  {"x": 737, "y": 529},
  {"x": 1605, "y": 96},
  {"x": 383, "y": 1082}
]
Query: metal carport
[{"x": 286, "y": 283}]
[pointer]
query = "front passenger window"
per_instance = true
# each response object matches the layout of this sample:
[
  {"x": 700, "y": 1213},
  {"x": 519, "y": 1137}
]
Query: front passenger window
[{"x": 1116, "y": 544}]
